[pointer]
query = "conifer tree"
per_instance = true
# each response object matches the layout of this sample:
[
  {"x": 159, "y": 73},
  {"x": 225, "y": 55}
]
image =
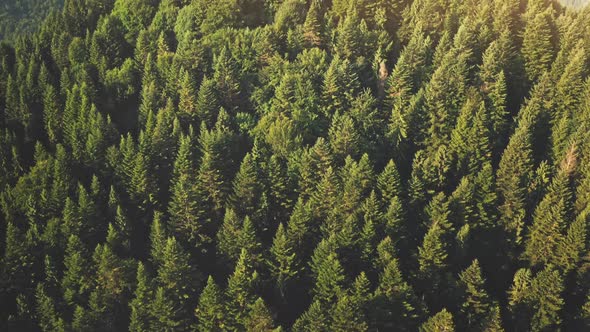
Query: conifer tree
[
  {"x": 349, "y": 42},
  {"x": 341, "y": 84},
  {"x": 550, "y": 219},
  {"x": 247, "y": 187},
  {"x": 444, "y": 96},
  {"x": 282, "y": 262},
  {"x": 433, "y": 254},
  {"x": 546, "y": 290},
  {"x": 395, "y": 304},
  {"x": 513, "y": 174},
  {"x": 312, "y": 27},
  {"x": 166, "y": 314},
  {"x": 389, "y": 182},
  {"x": 313, "y": 319},
  {"x": 441, "y": 322},
  {"x": 259, "y": 318},
  {"x": 344, "y": 137},
  {"x": 476, "y": 305},
  {"x": 329, "y": 279},
  {"x": 537, "y": 46},
  {"x": 207, "y": 103},
  {"x": 240, "y": 291},
  {"x": 49, "y": 319},
  {"x": 184, "y": 204},
  {"x": 76, "y": 282},
  {"x": 176, "y": 277},
  {"x": 227, "y": 78},
  {"x": 187, "y": 104},
  {"x": 210, "y": 312},
  {"x": 346, "y": 316},
  {"x": 140, "y": 305}
]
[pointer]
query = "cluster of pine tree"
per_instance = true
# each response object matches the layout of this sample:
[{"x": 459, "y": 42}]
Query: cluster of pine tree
[{"x": 297, "y": 165}]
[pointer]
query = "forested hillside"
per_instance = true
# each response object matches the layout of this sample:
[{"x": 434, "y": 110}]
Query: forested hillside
[
  {"x": 18, "y": 17},
  {"x": 297, "y": 165}
]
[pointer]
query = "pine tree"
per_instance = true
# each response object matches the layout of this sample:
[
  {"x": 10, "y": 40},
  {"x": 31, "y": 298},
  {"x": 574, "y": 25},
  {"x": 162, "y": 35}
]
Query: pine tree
[
  {"x": 389, "y": 182},
  {"x": 346, "y": 316},
  {"x": 282, "y": 262},
  {"x": 210, "y": 313},
  {"x": 433, "y": 254},
  {"x": 247, "y": 187},
  {"x": 240, "y": 291},
  {"x": 443, "y": 97},
  {"x": 184, "y": 206},
  {"x": 341, "y": 84},
  {"x": 326, "y": 195},
  {"x": 51, "y": 115},
  {"x": 227, "y": 235},
  {"x": 349, "y": 42},
  {"x": 546, "y": 290},
  {"x": 344, "y": 137},
  {"x": 550, "y": 219},
  {"x": 259, "y": 318},
  {"x": 395, "y": 304},
  {"x": 176, "y": 278},
  {"x": 158, "y": 237},
  {"x": 76, "y": 282},
  {"x": 520, "y": 298},
  {"x": 441, "y": 322},
  {"x": 167, "y": 316},
  {"x": 312, "y": 27},
  {"x": 313, "y": 319},
  {"x": 207, "y": 104},
  {"x": 537, "y": 46},
  {"x": 187, "y": 103},
  {"x": 513, "y": 175},
  {"x": 476, "y": 302},
  {"x": 300, "y": 231},
  {"x": 329, "y": 279},
  {"x": 227, "y": 79},
  {"x": 140, "y": 305},
  {"x": 49, "y": 319},
  {"x": 395, "y": 222}
]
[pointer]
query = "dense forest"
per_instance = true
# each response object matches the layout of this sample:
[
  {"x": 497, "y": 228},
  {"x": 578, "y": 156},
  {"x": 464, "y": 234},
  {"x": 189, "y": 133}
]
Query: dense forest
[
  {"x": 295, "y": 165},
  {"x": 18, "y": 17}
]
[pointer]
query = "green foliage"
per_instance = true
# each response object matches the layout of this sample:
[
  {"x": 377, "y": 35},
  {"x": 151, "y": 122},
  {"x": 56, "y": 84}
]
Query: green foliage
[
  {"x": 343, "y": 165},
  {"x": 210, "y": 312},
  {"x": 441, "y": 322}
]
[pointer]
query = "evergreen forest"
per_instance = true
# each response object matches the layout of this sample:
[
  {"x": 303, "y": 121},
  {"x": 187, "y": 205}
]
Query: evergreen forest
[{"x": 294, "y": 165}]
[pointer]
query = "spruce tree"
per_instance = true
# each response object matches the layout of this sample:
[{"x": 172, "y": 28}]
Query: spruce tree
[
  {"x": 441, "y": 322},
  {"x": 394, "y": 301},
  {"x": 184, "y": 204},
  {"x": 476, "y": 305},
  {"x": 546, "y": 290},
  {"x": 347, "y": 316},
  {"x": 312, "y": 27},
  {"x": 513, "y": 174},
  {"x": 259, "y": 318},
  {"x": 210, "y": 312},
  {"x": 207, "y": 103},
  {"x": 176, "y": 277},
  {"x": 282, "y": 263},
  {"x": 76, "y": 281},
  {"x": 313, "y": 319},
  {"x": 140, "y": 305},
  {"x": 537, "y": 46},
  {"x": 550, "y": 219},
  {"x": 49, "y": 318},
  {"x": 240, "y": 291}
]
